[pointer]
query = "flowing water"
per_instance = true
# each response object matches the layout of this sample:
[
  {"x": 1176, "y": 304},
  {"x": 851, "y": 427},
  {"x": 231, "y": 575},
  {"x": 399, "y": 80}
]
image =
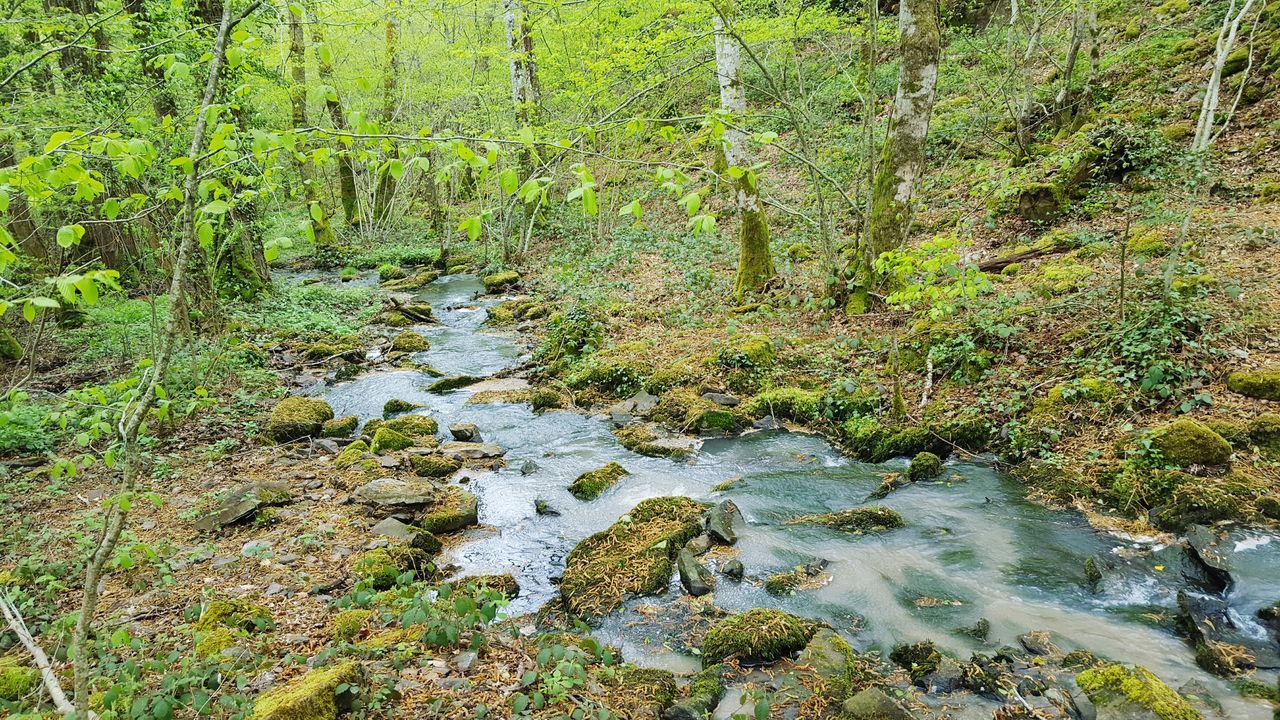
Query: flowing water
[{"x": 973, "y": 546}]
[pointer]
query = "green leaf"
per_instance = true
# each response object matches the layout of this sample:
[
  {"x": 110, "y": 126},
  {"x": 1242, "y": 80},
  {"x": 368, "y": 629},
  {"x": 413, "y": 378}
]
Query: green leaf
[
  {"x": 69, "y": 235},
  {"x": 395, "y": 168},
  {"x": 317, "y": 212},
  {"x": 632, "y": 208},
  {"x": 325, "y": 53},
  {"x": 204, "y": 233},
  {"x": 692, "y": 203},
  {"x": 216, "y": 207},
  {"x": 509, "y": 181}
]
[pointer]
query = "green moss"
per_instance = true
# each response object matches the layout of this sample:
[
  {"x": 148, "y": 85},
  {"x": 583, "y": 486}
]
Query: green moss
[
  {"x": 1208, "y": 500},
  {"x": 1148, "y": 244},
  {"x": 924, "y": 466},
  {"x": 545, "y": 398},
  {"x": 340, "y": 427},
  {"x": 1114, "y": 686},
  {"x": 456, "y": 510},
  {"x": 590, "y": 484},
  {"x": 410, "y": 342},
  {"x": 1041, "y": 201},
  {"x": 418, "y": 427},
  {"x": 787, "y": 403},
  {"x": 387, "y": 440},
  {"x": 395, "y": 406},
  {"x": 1011, "y": 269},
  {"x": 1263, "y": 384},
  {"x": 297, "y": 417},
  {"x": 1264, "y": 431},
  {"x": 213, "y": 642},
  {"x": 634, "y": 556},
  {"x": 351, "y": 455},
  {"x": 678, "y": 374},
  {"x": 643, "y": 440},
  {"x": 504, "y": 583},
  {"x": 381, "y": 568},
  {"x": 235, "y": 615},
  {"x": 433, "y": 466},
  {"x": 872, "y": 519},
  {"x": 759, "y": 635},
  {"x": 16, "y": 682},
  {"x": 632, "y": 691},
  {"x": 452, "y": 383},
  {"x": 314, "y": 696},
  {"x": 10, "y": 348},
  {"x": 784, "y": 583},
  {"x": 500, "y": 280},
  {"x": 1185, "y": 442},
  {"x": 866, "y": 438},
  {"x": 348, "y": 624},
  {"x": 754, "y": 352},
  {"x": 918, "y": 659}
]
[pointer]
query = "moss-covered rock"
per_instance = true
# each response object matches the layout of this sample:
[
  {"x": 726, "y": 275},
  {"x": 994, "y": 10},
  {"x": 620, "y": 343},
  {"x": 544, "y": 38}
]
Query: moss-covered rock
[
  {"x": 340, "y": 427},
  {"x": 784, "y": 583},
  {"x": 762, "y": 635},
  {"x": 868, "y": 439},
  {"x": 1264, "y": 431},
  {"x": 751, "y": 352},
  {"x": 1128, "y": 692},
  {"x": 1263, "y": 384},
  {"x": 434, "y": 466},
  {"x": 318, "y": 695},
  {"x": 16, "y": 682},
  {"x": 418, "y": 427},
  {"x": 10, "y": 348},
  {"x": 924, "y": 466},
  {"x": 590, "y": 484},
  {"x": 1186, "y": 442},
  {"x": 787, "y": 403},
  {"x": 410, "y": 342},
  {"x": 1202, "y": 501},
  {"x": 348, "y": 624},
  {"x": 630, "y": 691},
  {"x": 381, "y": 568},
  {"x": 918, "y": 659},
  {"x": 454, "y": 510},
  {"x": 213, "y": 642},
  {"x": 500, "y": 280},
  {"x": 387, "y": 440},
  {"x": 446, "y": 384},
  {"x": 395, "y": 406},
  {"x": 858, "y": 520},
  {"x": 297, "y": 417},
  {"x": 644, "y": 440},
  {"x": 351, "y": 455},
  {"x": 235, "y": 615},
  {"x": 634, "y": 556},
  {"x": 504, "y": 583}
]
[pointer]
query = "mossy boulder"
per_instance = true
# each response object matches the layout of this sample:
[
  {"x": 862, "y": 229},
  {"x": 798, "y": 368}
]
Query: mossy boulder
[
  {"x": 787, "y": 403},
  {"x": 1186, "y": 442},
  {"x": 754, "y": 352},
  {"x": 635, "y": 692},
  {"x": 418, "y": 427},
  {"x": 213, "y": 642},
  {"x": 381, "y": 568},
  {"x": 504, "y": 583},
  {"x": 1042, "y": 201},
  {"x": 340, "y": 427},
  {"x": 446, "y": 384},
  {"x": 454, "y": 510},
  {"x": 644, "y": 440},
  {"x": 762, "y": 635},
  {"x": 348, "y": 624},
  {"x": 10, "y": 348},
  {"x": 410, "y": 342},
  {"x": 395, "y": 406},
  {"x": 590, "y": 484},
  {"x": 500, "y": 280},
  {"x": 434, "y": 466},
  {"x": 234, "y": 615},
  {"x": 296, "y": 417},
  {"x": 1264, "y": 431},
  {"x": 16, "y": 681},
  {"x": 784, "y": 583},
  {"x": 858, "y": 520},
  {"x": 1203, "y": 501},
  {"x": 351, "y": 455},
  {"x": 1263, "y": 384},
  {"x": 1136, "y": 692},
  {"x": 634, "y": 556},
  {"x": 545, "y": 398},
  {"x": 318, "y": 695},
  {"x": 387, "y": 440},
  {"x": 924, "y": 466}
]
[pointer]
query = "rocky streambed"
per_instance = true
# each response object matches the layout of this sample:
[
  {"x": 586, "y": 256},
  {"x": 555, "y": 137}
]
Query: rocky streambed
[{"x": 975, "y": 569}]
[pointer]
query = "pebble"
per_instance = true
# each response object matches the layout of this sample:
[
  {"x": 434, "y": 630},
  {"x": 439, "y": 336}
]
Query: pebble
[
  {"x": 220, "y": 562},
  {"x": 254, "y": 547}
]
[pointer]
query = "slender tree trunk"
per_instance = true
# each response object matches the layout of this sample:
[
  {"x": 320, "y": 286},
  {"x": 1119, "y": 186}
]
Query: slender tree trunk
[
  {"x": 333, "y": 102},
  {"x": 755, "y": 263},
  {"x": 386, "y": 189},
  {"x": 436, "y": 214},
  {"x": 137, "y": 412},
  {"x": 322, "y": 236},
  {"x": 526, "y": 94},
  {"x": 1226, "y": 43},
  {"x": 1063, "y": 101},
  {"x": 20, "y": 225},
  {"x": 902, "y": 159},
  {"x": 78, "y": 63}
]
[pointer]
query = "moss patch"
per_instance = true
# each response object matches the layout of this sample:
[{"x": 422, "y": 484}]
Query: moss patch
[
  {"x": 924, "y": 466},
  {"x": 500, "y": 280},
  {"x": 297, "y": 417},
  {"x": 1185, "y": 442},
  {"x": 590, "y": 484},
  {"x": 1263, "y": 384},
  {"x": 235, "y": 615},
  {"x": 410, "y": 342},
  {"x": 340, "y": 427},
  {"x": 433, "y": 466},
  {"x": 387, "y": 440},
  {"x": 787, "y": 403},
  {"x": 873, "y": 519},
  {"x": 395, "y": 406},
  {"x": 415, "y": 426},
  {"x": 634, "y": 556},
  {"x": 381, "y": 568},
  {"x": 762, "y": 635},
  {"x": 16, "y": 682},
  {"x": 1115, "y": 686},
  {"x": 351, "y": 455},
  {"x": 315, "y": 696},
  {"x": 455, "y": 510},
  {"x": 348, "y": 624}
]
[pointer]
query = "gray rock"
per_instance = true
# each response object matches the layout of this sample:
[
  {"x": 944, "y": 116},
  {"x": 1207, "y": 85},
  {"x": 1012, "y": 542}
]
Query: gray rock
[
  {"x": 733, "y": 569},
  {"x": 699, "y": 545},
  {"x": 542, "y": 508},
  {"x": 704, "y": 694},
  {"x": 242, "y": 502},
  {"x": 873, "y": 704},
  {"x": 528, "y": 467},
  {"x": 465, "y": 432},
  {"x": 1208, "y": 548},
  {"x": 768, "y": 422},
  {"x": 1038, "y": 642},
  {"x": 721, "y": 399},
  {"x": 695, "y": 578},
  {"x": 720, "y": 522},
  {"x": 254, "y": 548},
  {"x": 393, "y": 493},
  {"x": 947, "y": 678},
  {"x": 414, "y": 536},
  {"x": 455, "y": 450},
  {"x": 465, "y": 660}
]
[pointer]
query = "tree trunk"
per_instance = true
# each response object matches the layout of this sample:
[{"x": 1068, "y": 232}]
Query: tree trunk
[
  {"x": 20, "y": 225},
  {"x": 322, "y": 236},
  {"x": 436, "y": 213},
  {"x": 1222, "y": 50},
  {"x": 78, "y": 63},
  {"x": 755, "y": 263},
  {"x": 902, "y": 159},
  {"x": 143, "y": 34},
  {"x": 333, "y": 102},
  {"x": 526, "y": 95},
  {"x": 386, "y": 189}
]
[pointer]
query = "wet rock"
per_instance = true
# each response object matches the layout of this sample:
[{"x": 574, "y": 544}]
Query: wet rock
[
  {"x": 721, "y": 399},
  {"x": 702, "y": 695},
  {"x": 243, "y": 502},
  {"x": 454, "y": 510},
  {"x": 733, "y": 569},
  {"x": 465, "y": 432},
  {"x": 456, "y": 450},
  {"x": 695, "y": 578},
  {"x": 978, "y": 631},
  {"x": 699, "y": 545},
  {"x": 528, "y": 467},
  {"x": 542, "y": 508},
  {"x": 948, "y": 677},
  {"x": 444, "y": 385},
  {"x": 589, "y": 485},
  {"x": 828, "y": 657},
  {"x": 720, "y": 522},
  {"x": 648, "y": 439},
  {"x": 1205, "y": 547},
  {"x": 873, "y": 704},
  {"x": 1123, "y": 693},
  {"x": 858, "y": 520},
  {"x": 395, "y": 406},
  {"x": 768, "y": 422},
  {"x": 393, "y": 493},
  {"x": 1221, "y": 645},
  {"x": 762, "y": 635},
  {"x": 1038, "y": 642},
  {"x": 408, "y": 534}
]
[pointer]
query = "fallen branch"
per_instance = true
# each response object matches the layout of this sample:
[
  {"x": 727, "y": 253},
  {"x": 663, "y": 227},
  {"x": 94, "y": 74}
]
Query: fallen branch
[
  {"x": 1000, "y": 263},
  {"x": 19, "y": 628}
]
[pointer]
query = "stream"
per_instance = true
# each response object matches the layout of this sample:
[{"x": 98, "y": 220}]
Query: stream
[{"x": 973, "y": 547}]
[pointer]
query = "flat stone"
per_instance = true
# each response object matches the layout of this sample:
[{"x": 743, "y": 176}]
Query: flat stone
[
  {"x": 695, "y": 578},
  {"x": 699, "y": 545},
  {"x": 397, "y": 493},
  {"x": 768, "y": 422},
  {"x": 471, "y": 451},
  {"x": 873, "y": 704},
  {"x": 465, "y": 432},
  {"x": 242, "y": 502},
  {"x": 720, "y": 522},
  {"x": 721, "y": 399},
  {"x": 255, "y": 547}
]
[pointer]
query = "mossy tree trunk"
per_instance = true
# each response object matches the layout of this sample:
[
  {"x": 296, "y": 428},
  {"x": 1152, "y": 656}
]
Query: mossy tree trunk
[
  {"x": 755, "y": 262},
  {"x": 386, "y": 189},
  {"x": 902, "y": 158},
  {"x": 333, "y": 103},
  {"x": 321, "y": 234},
  {"x": 526, "y": 94},
  {"x": 144, "y": 34},
  {"x": 437, "y": 216}
]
